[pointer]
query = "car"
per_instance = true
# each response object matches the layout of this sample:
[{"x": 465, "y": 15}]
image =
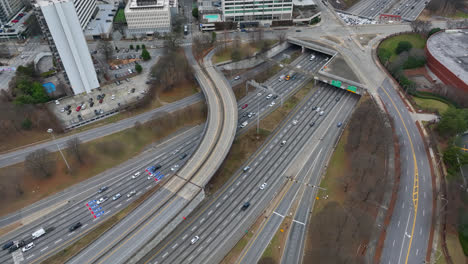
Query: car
[
  {"x": 130, "y": 194},
  {"x": 69, "y": 112},
  {"x": 128, "y": 80},
  {"x": 321, "y": 113},
  {"x": 183, "y": 156},
  {"x": 102, "y": 200},
  {"x": 78, "y": 108},
  {"x": 312, "y": 124},
  {"x": 269, "y": 96},
  {"x": 57, "y": 102},
  {"x": 272, "y": 104},
  {"x": 100, "y": 101},
  {"x": 130, "y": 71},
  {"x": 294, "y": 122},
  {"x": 246, "y": 169},
  {"x": 150, "y": 177},
  {"x": 245, "y": 123},
  {"x": 68, "y": 107},
  {"x": 337, "y": 99},
  {"x": 101, "y": 112},
  {"x": 245, "y": 106},
  {"x": 312, "y": 57},
  {"x": 13, "y": 248},
  {"x": 83, "y": 106},
  {"x": 91, "y": 104},
  {"x": 28, "y": 247},
  {"x": 8, "y": 245},
  {"x": 317, "y": 109},
  {"x": 275, "y": 96},
  {"x": 237, "y": 78},
  {"x": 298, "y": 30},
  {"x": 113, "y": 97},
  {"x": 251, "y": 114},
  {"x": 103, "y": 189},
  {"x": 245, "y": 114},
  {"x": 245, "y": 206},
  {"x": 117, "y": 196},
  {"x": 62, "y": 110},
  {"x": 263, "y": 186},
  {"x": 75, "y": 226},
  {"x": 136, "y": 174},
  {"x": 339, "y": 124},
  {"x": 259, "y": 94},
  {"x": 283, "y": 143},
  {"x": 175, "y": 167},
  {"x": 194, "y": 240},
  {"x": 313, "y": 108},
  {"x": 80, "y": 118}
]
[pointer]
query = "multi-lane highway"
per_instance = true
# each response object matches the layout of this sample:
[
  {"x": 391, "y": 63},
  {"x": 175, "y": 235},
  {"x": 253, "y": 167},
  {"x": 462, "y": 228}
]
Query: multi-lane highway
[
  {"x": 222, "y": 222},
  {"x": 408, "y": 232},
  {"x": 409, "y": 9},
  {"x": 370, "y": 8}
]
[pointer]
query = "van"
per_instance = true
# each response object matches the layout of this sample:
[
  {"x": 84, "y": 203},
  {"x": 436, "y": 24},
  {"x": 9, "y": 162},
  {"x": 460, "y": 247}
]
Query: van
[{"x": 245, "y": 206}]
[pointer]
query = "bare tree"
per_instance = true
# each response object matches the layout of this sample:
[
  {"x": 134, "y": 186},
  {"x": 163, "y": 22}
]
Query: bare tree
[
  {"x": 75, "y": 148},
  {"x": 282, "y": 37},
  {"x": 106, "y": 48},
  {"x": 40, "y": 163},
  {"x": 421, "y": 26}
]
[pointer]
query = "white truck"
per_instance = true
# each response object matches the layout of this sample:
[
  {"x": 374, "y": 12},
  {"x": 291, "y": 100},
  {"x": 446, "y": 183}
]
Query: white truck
[{"x": 38, "y": 233}]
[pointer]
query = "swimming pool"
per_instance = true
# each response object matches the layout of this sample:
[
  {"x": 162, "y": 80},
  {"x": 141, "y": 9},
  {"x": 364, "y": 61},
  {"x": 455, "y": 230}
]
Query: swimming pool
[{"x": 212, "y": 18}]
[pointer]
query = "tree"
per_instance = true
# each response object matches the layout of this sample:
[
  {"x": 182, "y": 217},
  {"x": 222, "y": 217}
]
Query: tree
[
  {"x": 143, "y": 46},
  {"x": 138, "y": 68},
  {"x": 433, "y": 31},
  {"x": 40, "y": 163},
  {"x": 106, "y": 48},
  {"x": 137, "y": 47},
  {"x": 213, "y": 38},
  {"x": 403, "y": 46},
  {"x": 131, "y": 46},
  {"x": 281, "y": 37},
  {"x": 420, "y": 26},
  {"x": 33, "y": 26},
  {"x": 201, "y": 43},
  {"x": 75, "y": 148},
  {"x": 145, "y": 55},
  {"x": 28, "y": 92},
  {"x": 452, "y": 122},
  {"x": 384, "y": 55},
  {"x": 26, "y": 124},
  {"x": 236, "y": 55},
  {"x": 454, "y": 158},
  {"x": 195, "y": 13}
]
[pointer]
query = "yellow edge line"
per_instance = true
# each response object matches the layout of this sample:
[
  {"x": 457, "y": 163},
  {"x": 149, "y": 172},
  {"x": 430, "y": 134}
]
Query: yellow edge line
[{"x": 415, "y": 179}]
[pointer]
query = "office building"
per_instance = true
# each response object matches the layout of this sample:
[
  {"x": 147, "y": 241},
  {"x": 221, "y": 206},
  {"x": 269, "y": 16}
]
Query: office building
[
  {"x": 260, "y": 10},
  {"x": 8, "y": 9},
  {"x": 61, "y": 26},
  {"x": 145, "y": 17},
  {"x": 85, "y": 9}
]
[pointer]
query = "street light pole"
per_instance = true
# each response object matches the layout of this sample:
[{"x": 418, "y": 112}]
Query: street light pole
[
  {"x": 258, "y": 116},
  {"x": 51, "y": 131}
]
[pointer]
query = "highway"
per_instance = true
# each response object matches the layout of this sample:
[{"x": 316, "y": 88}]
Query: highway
[
  {"x": 408, "y": 232},
  {"x": 220, "y": 223},
  {"x": 370, "y": 8}
]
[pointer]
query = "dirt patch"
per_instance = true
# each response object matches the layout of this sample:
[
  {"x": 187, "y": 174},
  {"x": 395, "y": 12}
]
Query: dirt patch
[
  {"x": 343, "y": 217},
  {"x": 184, "y": 89},
  {"x": 365, "y": 38},
  {"x": 19, "y": 187}
]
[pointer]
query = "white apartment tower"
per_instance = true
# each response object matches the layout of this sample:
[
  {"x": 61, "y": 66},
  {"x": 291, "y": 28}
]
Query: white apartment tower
[
  {"x": 258, "y": 10},
  {"x": 8, "y": 9},
  {"x": 145, "y": 17},
  {"x": 61, "y": 26},
  {"x": 85, "y": 9}
]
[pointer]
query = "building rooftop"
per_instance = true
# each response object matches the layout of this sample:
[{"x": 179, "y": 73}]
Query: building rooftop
[
  {"x": 303, "y": 2},
  {"x": 14, "y": 28},
  {"x": 102, "y": 23},
  {"x": 450, "y": 48}
]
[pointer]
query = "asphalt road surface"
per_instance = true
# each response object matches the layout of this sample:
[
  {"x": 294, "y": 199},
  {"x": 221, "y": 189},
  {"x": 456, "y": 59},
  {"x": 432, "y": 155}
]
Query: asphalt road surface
[
  {"x": 370, "y": 8},
  {"x": 222, "y": 217},
  {"x": 409, "y": 9},
  {"x": 408, "y": 232}
]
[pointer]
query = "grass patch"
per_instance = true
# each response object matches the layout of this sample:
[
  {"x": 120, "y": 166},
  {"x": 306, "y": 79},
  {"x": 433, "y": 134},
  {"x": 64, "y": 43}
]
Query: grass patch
[
  {"x": 293, "y": 56},
  {"x": 454, "y": 247},
  {"x": 120, "y": 17},
  {"x": 460, "y": 14},
  {"x": 246, "y": 49},
  {"x": 184, "y": 89},
  {"x": 391, "y": 43},
  {"x": 431, "y": 104},
  {"x": 275, "y": 248},
  {"x": 92, "y": 234},
  {"x": 102, "y": 154}
]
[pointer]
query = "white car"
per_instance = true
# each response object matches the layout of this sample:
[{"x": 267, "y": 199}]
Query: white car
[
  {"x": 263, "y": 186},
  {"x": 321, "y": 113},
  {"x": 113, "y": 97},
  {"x": 251, "y": 114},
  {"x": 283, "y": 142},
  {"x": 57, "y": 102},
  {"x": 245, "y": 123},
  {"x": 194, "y": 240},
  {"x": 272, "y": 104},
  {"x": 83, "y": 106},
  {"x": 102, "y": 200},
  {"x": 28, "y": 247},
  {"x": 117, "y": 196},
  {"x": 312, "y": 57},
  {"x": 62, "y": 110},
  {"x": 175, "y": 167},
  {"x": 130, "y": 194},
  {"x": 259, "y": 94},
  {"x": 294, "y": 122},
  {"x": 318, "y": 109},
  {"x": 237, "y": 78},
  {"x": 136, "y": 175},
  {"x": 269, "y": 96}
]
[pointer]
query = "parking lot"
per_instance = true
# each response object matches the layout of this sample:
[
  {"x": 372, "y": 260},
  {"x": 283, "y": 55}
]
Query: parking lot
[{"x": 78, "y": 110}]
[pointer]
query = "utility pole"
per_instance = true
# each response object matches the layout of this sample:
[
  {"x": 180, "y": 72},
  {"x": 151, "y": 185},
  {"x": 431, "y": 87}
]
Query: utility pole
[{"x": 51, "y": 131}]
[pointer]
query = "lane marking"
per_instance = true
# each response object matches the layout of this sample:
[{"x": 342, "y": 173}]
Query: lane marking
[
  {"x": 58, "y": 241},
  {"x": 44, "y": 249},
  {"x": 282, "y": 216},
  {"x": 299, "y": 222}
]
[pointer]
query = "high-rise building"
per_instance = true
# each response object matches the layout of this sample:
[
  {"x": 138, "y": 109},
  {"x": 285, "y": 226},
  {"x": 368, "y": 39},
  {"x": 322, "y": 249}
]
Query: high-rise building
[
  {"x": 85, "y": 9},
  {"x": 258, "y": 10},
  {"x": 8, "y": 9},
  {"x": 61, "y": 26},
  {"x": 145, "y": 17}
]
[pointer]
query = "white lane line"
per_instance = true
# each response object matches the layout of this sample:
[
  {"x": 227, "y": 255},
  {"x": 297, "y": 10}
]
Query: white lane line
[
  {"x": 217, "y": 231},
  {"x": 184, "y": 237},
  {"x": 71, "y": 233},
  {"x": 193, "y": 228},
  {"x": 147, "y": 187},
  {"x": 217, "y": 205},
  {"x": 424, "y": 195},
  {"x": 107, "y": 212},
  {"x": 420, "y": 231},
  {"x": 245, "y": 175},
  {"x": 230, "y": 191},
  {"x": 209, "y": 239},
  {"x": 118, "y": 205},
  {"x": 406, "y": 188},
  {"x": 165, "y": 254},
  {"x": 191, "y": 257},
  {"x": 175, "y": 245},
  {"x": 210, "y": 212},
  {"x": 30, "y": 257},
  {"x": 403, "y": 205},
  {"x": 202, "y": 220},
  {"x": 58, "y": 241},
  {"x": 398, "y": 223},
  {"x": 237, "y": 184},
  {"x": 393, "y": 245},
  {"x": 417, "y": 250},
  {"x": 278, "y": 214},
  {"x": 225, "y": 197},
  {"x": 199, "y": 249},
  {"x": 299, "y": 222},
  {"x": 44, "y": 249},
  {"x": 84, "y": 225},
  {"x": 424, "y": 212}
]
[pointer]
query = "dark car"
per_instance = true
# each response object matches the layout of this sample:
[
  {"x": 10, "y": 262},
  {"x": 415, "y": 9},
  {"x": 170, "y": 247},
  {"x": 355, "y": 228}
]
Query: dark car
[
  {"x": 312, "y": 124},
  {"x": 275, "y": 96},
  {"x": 91, "y": 104},
  {"x": 337, "y": 99},
  {"x": 183, "y": 156},
  {"x": 157, "y": 167},
  {"x": 133, "y": 90},
  {"x": 313, "y": 108},
  {"x": 245, "y": 206},
  {"x": 103, "y": 189},
  {"x": 8, "y": 245},
  {"x": 13, "y": 248},
  {"x": 74, "y": 226},
  {"x": 69, "y": 112}
]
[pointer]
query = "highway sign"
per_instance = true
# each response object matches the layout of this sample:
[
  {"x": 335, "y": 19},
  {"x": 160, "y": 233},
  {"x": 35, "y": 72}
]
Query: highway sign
[{"x": 336, "y": 83}]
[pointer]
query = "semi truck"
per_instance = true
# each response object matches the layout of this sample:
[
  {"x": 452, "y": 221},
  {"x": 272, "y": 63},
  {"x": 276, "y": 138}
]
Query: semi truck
[{"x": 38, "y": 233}]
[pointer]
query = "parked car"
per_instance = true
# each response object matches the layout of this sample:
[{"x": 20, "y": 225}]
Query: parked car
[
  {"x": 339, "y": 124},
  {"x": 237, "y": 78},
  {"x": 283, "y": 143},
  {"x": 183, "y": 156},
  {"x": 8, "y": 245},
  {"x": 78, "y": 108},
  {"x": 269, "y": 96},
  {"x": 246, "y": 169}
]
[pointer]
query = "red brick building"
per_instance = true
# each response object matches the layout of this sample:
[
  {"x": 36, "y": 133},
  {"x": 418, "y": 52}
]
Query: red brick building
[{"x": 447, "y": 57}]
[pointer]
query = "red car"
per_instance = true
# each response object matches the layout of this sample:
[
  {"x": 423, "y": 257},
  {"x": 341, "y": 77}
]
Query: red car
[
  {"x": 15, "y": 21},
  {"x": 78, "y": 108},
  {"x": 245, "y": 106},
  {"x": 100, "y": 101}
]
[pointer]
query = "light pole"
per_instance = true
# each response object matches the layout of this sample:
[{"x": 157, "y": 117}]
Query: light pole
[{"x": 51, "y": 131}]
